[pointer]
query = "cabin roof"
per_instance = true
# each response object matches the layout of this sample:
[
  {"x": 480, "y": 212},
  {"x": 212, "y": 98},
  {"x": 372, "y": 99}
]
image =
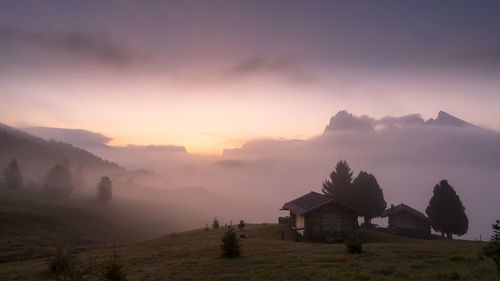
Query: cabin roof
[
  {"x": 404, "y": 208},
  {"x": 309, "y": 202}
]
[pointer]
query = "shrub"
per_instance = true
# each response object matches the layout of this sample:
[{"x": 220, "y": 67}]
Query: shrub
[
  {"x": 241, "y": 225},
  {"x": 65, "y": 266},
  {"x": 215, "y": 223},
  {"x": 230, "y": 244},
  {"x": 113, "y": 269},
  {"x": 354, "y": 246},
  {"x": 455, "y": 276},
  {"x": 60, "y": 263}
]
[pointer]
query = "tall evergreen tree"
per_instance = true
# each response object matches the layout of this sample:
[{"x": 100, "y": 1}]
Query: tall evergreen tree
[
  {"x": 446, "y": 211},
  {"x": 230, "y": 244},
  {"x": 105, "y": 189},
  {"x": 340, "y": 181},
  {"x": 59, "y": 182},
  {"x": 493, "y": 248},
  {"x": 113, "y": 269},
  {"x": 215, "y": 223},
  {"x": 79, "y": 177},
  {"x": 13, "y": 177},
  {"x": 367, "y": 196}
]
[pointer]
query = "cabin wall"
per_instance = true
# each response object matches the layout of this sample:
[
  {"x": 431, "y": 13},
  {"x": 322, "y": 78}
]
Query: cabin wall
[
  {"x": 409, "y": 224},
  {"x": 329, "y": 219},
  {"x": 300, "y": 222}
]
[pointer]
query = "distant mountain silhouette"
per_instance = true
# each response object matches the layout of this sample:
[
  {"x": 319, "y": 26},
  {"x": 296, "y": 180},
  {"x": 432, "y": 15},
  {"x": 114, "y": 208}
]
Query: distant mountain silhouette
[
  {"x": 345, "y": 121},
  {"x": 36, "y": 155},
  {"x": 446, "y": 119}
]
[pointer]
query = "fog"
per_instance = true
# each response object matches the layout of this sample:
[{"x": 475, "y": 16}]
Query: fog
[{"x": 407, "y": 155}]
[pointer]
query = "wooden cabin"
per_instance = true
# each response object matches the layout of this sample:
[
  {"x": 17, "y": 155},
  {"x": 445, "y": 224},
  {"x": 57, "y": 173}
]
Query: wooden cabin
[
  {"x": 318, "y": 216},
  {"x": 406, "y": 221}
]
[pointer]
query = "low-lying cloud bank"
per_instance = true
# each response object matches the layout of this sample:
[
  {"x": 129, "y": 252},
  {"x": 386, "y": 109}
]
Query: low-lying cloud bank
[{"x": 408, "y": 155}]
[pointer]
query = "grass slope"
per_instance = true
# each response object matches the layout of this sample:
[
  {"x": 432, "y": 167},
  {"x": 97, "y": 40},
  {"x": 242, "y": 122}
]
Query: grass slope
[
  {"x": 31, "y": 224},
  {"x": 194, "y": 255}
]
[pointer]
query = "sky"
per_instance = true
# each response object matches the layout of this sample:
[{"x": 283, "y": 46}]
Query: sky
[{"x": 210, "y": 75}]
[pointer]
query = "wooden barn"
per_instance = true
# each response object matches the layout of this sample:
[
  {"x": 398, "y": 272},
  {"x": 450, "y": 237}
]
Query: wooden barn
[
  {"x": 406, "y": 221},
  {"x": 318, "y": 216}
]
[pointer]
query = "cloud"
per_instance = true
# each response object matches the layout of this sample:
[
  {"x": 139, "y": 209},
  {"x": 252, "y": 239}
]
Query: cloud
[
  {"x": 287, "y": 67},
  {"x": 81, "y": 138},
  {"x": 82, "y": 45},
  {"x": 154, "y": 148},
  {"x": 230, "y": 163}
]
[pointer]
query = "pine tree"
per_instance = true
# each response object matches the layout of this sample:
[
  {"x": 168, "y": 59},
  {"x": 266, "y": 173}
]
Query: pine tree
[
  {"x": 113, "y": 269},
  {"x": 13, "y": 177},
  {"x": 215, "y": 223},
  {"x": 367, "y": 196},
  {"x": 79, "y": 177},
  {"x": 340, "y": 181},
  {"x": 105, "y": 189},
  {"x": 230, "y": 244},
  {"x": 241, "y": 225},
  {"x": 59, "y": 182},
  {"x": 446, "y": 211},
  {"x": 492, "y": 250}
]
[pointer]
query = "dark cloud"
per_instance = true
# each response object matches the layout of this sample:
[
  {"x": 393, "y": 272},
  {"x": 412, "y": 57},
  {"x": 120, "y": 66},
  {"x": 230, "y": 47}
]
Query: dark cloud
[
  {"x": 83, "y": 45},
  {"x": 81, "y": 138},
  {"x": 287, "y": 67}
]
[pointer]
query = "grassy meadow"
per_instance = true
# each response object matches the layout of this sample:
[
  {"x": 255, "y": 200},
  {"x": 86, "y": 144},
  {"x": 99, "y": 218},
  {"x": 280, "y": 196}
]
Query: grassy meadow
[
  {"x": 195, "y": 255},
  {"x": 32, "y": 225}
]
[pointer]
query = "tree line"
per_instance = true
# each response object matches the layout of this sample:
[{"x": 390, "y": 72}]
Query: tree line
[
  {"x": 445, "y": 210},
  {"x": 59, "y": 182}
]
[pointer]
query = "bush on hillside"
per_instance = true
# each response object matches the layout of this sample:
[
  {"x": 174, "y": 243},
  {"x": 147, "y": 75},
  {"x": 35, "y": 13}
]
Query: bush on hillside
[
  {"x": 65, "y": 266},
  {"x": 113, "y": 269},
  {"x": 354, "y": 246},
  {"x": 230, "y": 244}
]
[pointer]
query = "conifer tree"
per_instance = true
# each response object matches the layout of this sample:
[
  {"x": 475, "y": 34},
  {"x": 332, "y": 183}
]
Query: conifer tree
[
  {"x": 13, "y": 177},
  {"x": 230, "y": 244},
  {"x": 215, "y": 223},
  {"x": 338, "y": 185},
  {"x": 105, "y": 189},
  {"x": 59, "y": 182},
  {"x": 367, "y": 196},
  {"x": 113, "y": 269},
  {"x": 446, "y": 211},
  {"x": 493, "y": 248}
]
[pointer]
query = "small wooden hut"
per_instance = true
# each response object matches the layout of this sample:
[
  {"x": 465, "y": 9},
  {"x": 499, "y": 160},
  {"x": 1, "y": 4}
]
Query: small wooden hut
[
  {"x": 406, "y": 221},
  {"x": 318, "y": 216}
]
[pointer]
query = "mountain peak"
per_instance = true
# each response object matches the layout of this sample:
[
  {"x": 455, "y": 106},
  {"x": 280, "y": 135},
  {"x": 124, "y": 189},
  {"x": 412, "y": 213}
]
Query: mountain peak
[
  {"x": 446, "y": 119},
  {"x": 344, "y": 120}
]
